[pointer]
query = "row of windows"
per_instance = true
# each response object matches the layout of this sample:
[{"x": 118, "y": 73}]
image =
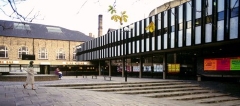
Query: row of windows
[
  {"x": 43, "y": 53},
  {"x": 170, "y": 31}
]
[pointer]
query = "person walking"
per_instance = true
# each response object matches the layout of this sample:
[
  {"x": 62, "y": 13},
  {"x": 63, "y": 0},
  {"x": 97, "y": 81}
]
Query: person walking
[
  {"x": 59, "y": 73},
  {"x": 30, "y": 76}
]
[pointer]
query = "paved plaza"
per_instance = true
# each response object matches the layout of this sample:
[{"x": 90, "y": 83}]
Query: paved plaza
[{"x": 13, "y": 94}]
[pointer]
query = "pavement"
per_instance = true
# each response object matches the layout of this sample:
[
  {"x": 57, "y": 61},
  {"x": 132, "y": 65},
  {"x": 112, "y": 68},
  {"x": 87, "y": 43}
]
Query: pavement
[{"x": 13, "y": 93}]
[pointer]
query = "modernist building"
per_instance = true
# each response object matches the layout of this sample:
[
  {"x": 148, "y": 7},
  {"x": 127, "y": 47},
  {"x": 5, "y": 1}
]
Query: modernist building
[
  {"x": 52, "y": 47},
  {"x": 195, "y": 37}
]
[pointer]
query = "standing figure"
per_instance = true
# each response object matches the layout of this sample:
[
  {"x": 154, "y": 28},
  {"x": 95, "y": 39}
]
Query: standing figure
[
  {"x": 59, "y": 73},
  {"x": 30, "y": 76}
]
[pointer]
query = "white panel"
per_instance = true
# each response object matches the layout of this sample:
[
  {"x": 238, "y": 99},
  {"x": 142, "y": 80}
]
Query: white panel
[
  {"x": 147, "y": 21},
  {"x": 220, "y": 5},
  {"x": 172, "y": 17},
  {"x": 165, "y": 19},
  {"x": 165, "y": 41},
  {"x": 122, "y": 49},
  {"x": 172, "y": 40},
  {"x": 198, "y": 8},
  {"x": 138, "y": 26},
  {"x": 208, "y": 33},
  {"x": 234, "y": 3},
  {"x": 138, "y": 46},
  {"x": 209, "y": 7},
  {"x": 133, "y": 47},
  {"x": 159, "y": 21},
  {"x": 129, "y": 48},
  {"x": 147, "y": 44},
  {"x": 189, "y": 11},
  {"x": 188, "y": 37},
  {"x": 119, "y": 50},
  {"x": 159, "y": 43},
  {"x": 153, "y": 43},
  {"x": 220, "y": 30},
  {"x": 180, "y": 16},
  {"x": 115, "y": 49},
  {"x": 122, "y": 34},
  {"x": 198, "y": 35},
  {"x": 143, "y": 46},
  {"x": 180, "y": 39},
  {"x": 234, "y": 28},
  {"x": 142, "y": 27},
  {"x": 133, "y": 30}
]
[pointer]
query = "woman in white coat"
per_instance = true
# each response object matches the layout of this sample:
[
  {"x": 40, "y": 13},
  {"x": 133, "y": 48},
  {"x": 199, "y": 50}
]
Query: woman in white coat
[{"x": 30, "y": 76}]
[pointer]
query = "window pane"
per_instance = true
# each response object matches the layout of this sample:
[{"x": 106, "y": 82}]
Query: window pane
[
  {"x": 234, "y": 28},
  {"x": 180, "y": 38},
  {"x": 234, "y": 12},
  {"x": 172, "y": 16},
  {"x": 198, "y": 35},
  {"x": 220, "y": 16},
  {"x": 189, "y": 11},
  {"x": 234, "y": 3},
  {"x": 138, "y": 46},
  {"x": 143, "y": 46},
  {"x": 165, "y": 18},
  {"x": 208, "y": 7},
  {"x": 208, "y": 33},
  {"x": 198, "y": 8},
  {"x": 172, "y": 40},
  {"x": 153, "y": 43},
  {"x": 159, "y": 42},
  {"x": 165, "y": 41},
  {"x": 133, "y": 47},
  {"x": 180, "y": 14},
  {"x": 159, "y": 21},
  {"x": 189, "y": 37},
  {"x": 147, "y": 44}
]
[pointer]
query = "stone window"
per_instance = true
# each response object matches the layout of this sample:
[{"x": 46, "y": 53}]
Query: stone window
[
  {"x": 3, "y": 52},
  {"x": 60, "y": 54},
  {"x": 43, "y": 54},
  {"x": 21, "y": 51}
]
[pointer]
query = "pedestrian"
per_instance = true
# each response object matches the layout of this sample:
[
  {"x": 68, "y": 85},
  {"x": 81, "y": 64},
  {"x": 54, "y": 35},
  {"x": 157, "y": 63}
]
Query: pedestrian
[
  {"x": 59, "y": 73},
  {"x": 30, "y": 76}
]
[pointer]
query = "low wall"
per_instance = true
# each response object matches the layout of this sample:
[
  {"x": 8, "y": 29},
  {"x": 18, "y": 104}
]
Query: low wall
[{"x": 23, "y": 77}]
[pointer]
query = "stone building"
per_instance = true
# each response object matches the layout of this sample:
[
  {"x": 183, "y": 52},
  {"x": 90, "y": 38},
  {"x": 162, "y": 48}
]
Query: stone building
[{"x": 52, "y": 47}]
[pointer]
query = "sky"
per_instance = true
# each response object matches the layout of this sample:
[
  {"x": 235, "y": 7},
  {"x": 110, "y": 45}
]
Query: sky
[{"x": 81, "y": 15}]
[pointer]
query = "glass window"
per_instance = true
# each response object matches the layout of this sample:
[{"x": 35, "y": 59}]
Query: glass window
[
  {"x": 54, "y": 29},
  {"x": 3, "y": 52},
  {"x": 147, "y": 44},
  {"x": 159, "y": 42},
  {"x": 60, "y": 54},
  {"x": 153, "y": 43},
  {"x": 172, "y": 40},
  {"x": 21, "y": 26},
  {"x": 129, "y": 48},
  {"x": 142, "y": 27},
  {"x": 180, "y": 39},
  {"x": 165, "y": 41},
  {"x": 234, "y": 3},
  {"x": 138, "y": 46},
  {"x": 198, "y": 8},
  {"x": 165, "y": 30},
  {"x": 208, "y": 33},
  {"x": 165, "y": 18},
  {"x": 147, "y": 22},
  {"x": 137, "y": 24},
  {"x": 172, "y": 16},
  {"x": 220, "y": 5},
  {"x": 74, "y": 53},
  {"x": 220, "y": 15},
  {"x": 189, "y": 11},
  {"x": 220, "y": 30},
  {"x": 172, "y": 28},
  {"x": 234, "y": 28},
  {"x": 159, "y": 21},
  {"x": 208, "y": 7},
  {"x": 180, "y": 14},
  {"x": 188, "y": 37},
  {"x": 143, "y": 46},
  {"x": 21, "y": 51},
  {"x": 234, "y": 12},
  {"x": 133, "y": 47},
  {"x": 198, "y": 35},
  {"x": 43, "y": 54}
]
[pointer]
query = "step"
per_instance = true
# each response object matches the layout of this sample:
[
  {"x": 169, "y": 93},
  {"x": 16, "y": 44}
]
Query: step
[
  {"x": 160, "y": 90},
  {"x": 199, "y": 96},
  {"x": 144, "y": 88},
  {"x": 178, "y": 93}
]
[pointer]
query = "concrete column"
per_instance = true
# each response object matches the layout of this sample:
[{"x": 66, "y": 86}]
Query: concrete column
[
  {"x": 123, "y": 66},
  {"x": 141, "y": 65},
  {"x": 110, "y": 68},
  {"x": 164, "y": 66},
  {"x": 99, "y": 68}
]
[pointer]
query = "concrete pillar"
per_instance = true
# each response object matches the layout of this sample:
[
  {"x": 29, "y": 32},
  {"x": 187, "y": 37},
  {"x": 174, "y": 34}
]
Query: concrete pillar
[
  {"x": 100, "y": 25},
  {"x": 123, "y": 66},
  {"x": 99, "y": 68},
  {"x": 110, "y": 68},
  {"x": 141, "y": 65},
  {"x": 164, "y": 66}
]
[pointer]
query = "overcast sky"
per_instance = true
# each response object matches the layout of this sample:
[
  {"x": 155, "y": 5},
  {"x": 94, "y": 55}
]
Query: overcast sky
[{"x": 82, "y": 15}]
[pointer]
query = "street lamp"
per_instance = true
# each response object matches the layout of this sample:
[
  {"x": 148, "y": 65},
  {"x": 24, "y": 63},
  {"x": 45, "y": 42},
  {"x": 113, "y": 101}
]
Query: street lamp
[{"x": 127, "y": 30}]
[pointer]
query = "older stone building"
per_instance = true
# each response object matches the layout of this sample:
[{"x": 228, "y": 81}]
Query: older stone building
[{"x": 52, "y": 47}]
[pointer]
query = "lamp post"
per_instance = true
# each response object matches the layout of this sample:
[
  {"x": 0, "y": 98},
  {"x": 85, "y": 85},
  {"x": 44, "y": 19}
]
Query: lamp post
[{"x": 127, "y": 30}]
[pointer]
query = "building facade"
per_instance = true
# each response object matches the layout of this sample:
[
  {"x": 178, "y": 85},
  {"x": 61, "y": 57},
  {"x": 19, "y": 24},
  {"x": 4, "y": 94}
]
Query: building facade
[
  {"x": 52, "y": 47},
  {"x": 196, "y": 37}
]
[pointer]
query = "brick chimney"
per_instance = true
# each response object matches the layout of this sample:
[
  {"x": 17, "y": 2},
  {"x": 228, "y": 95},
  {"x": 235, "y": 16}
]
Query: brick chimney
[{"x": 100, "y": 25}]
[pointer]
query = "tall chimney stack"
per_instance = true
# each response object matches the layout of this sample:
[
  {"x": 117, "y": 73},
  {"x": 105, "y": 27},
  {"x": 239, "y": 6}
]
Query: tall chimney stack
[{"x": 100, "y": 25}]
